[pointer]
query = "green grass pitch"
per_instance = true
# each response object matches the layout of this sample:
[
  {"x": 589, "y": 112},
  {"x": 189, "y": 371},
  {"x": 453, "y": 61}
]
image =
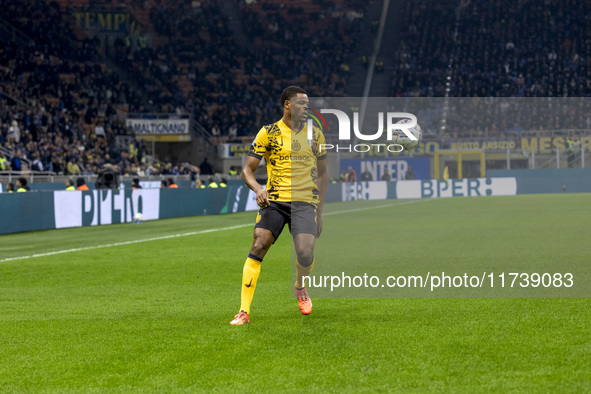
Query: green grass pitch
[{"x": 153, "y": 316}]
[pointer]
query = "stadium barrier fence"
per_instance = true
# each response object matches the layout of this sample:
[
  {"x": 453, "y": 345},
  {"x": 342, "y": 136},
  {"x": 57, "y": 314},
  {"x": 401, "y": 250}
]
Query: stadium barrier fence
[{"x": 43, "y": 210}]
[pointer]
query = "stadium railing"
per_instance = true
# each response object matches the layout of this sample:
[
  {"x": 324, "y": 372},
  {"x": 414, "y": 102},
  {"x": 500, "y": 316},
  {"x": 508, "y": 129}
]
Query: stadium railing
[{"x": 52, "y": 177}]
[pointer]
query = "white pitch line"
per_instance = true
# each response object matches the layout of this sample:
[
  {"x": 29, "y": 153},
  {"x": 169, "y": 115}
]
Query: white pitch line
[
  {"x": 376, "y": 207},
  {"x": 184, "y": 234},
  {"x": 124, "y": 243}
]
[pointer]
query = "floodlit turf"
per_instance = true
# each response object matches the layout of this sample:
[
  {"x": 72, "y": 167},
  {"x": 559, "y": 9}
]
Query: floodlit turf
[{"x": 153, "y": 316}]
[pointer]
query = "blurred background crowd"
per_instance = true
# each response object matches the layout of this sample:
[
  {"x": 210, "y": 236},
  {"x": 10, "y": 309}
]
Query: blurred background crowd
[{"x": 65, "y": 93}]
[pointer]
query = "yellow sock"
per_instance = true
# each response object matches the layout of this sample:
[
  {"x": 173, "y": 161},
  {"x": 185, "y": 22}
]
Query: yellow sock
[
  {"x": 250, "y": 274},
  {"x": 303, "y": 271}
]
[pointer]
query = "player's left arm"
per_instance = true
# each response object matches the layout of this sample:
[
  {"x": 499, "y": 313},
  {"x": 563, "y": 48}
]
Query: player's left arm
[{"x": 322, "y": 167}]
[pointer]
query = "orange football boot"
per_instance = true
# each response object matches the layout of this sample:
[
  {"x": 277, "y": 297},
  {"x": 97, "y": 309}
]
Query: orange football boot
[
  {"x": 240, "y": 319},
  {"x": 304, "y": 301}
]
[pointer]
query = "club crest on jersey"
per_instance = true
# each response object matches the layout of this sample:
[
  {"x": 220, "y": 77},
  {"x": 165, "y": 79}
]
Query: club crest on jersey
[{"x": 295, "y": 146}]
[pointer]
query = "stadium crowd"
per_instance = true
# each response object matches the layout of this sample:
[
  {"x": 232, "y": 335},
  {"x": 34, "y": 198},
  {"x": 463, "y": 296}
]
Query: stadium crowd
[
  {"x": 63, "y": 93},
  {"x": 61, "y": 99},
  {"x": 500, "y": 49},
  {"x": 231, "y": 85},
  {"x": 59, "y": 102}
]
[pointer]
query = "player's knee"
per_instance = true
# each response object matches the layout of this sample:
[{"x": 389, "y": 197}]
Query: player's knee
[
  {"x": 259, "y": 249},
  {"x": 305, "y": 258},
  {"x": 260, "y": 246}
]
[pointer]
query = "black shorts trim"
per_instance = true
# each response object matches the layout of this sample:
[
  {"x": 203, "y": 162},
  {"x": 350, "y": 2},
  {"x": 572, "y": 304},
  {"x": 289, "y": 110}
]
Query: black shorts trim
[{"x": 299, "y": 216}]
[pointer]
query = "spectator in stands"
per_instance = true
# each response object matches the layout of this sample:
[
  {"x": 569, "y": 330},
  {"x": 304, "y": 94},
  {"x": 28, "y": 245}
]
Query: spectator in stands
[
  {"x": 167, "y": 169},
  {"x": 70, "y": 185},
  {"x": 72, "y": 166},
  {"x": 4, "y": 164},
  {"x": 16, "y": 163},
  {"x": 81, "y": 184},
  {"x": 89, "y": 170},
  {"x": 152, "y": 170},
  {"x": 124, "y": 160},
  {"x": 205, "y": 167},
  {"x": 233, "y": 131},
  {"x": 351, "y": 175},
  {"x": 21, "y": 185},
  {"x": 343, "y": 176},
  {"x": 379, "y": 66},
  {"x": 212, "y": 184},
  {"x": 37, "y": 163},
  {"x": 366, "y": 174},
  {"x": 14, "y": 132},
  {"x": 189, "y": 169},
  {"x": 56, "y": 164},
  {"x": 99, "y": 130},
  {"x": 133, "y": 169}
]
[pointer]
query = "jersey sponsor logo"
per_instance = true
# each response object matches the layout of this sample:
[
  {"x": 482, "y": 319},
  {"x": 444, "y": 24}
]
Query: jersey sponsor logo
[{"x": 294, "y": 158}]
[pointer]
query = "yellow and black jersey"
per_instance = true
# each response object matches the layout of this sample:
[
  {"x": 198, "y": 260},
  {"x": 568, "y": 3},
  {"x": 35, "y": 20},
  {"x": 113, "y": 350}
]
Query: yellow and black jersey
[{"x": 291, "y": 161}]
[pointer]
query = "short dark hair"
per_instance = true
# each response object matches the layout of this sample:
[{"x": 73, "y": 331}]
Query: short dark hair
[
  {"x": 23, "y": 181},
  {"x": 289, "y": 92},
  {"x": 79, "y": 181}
]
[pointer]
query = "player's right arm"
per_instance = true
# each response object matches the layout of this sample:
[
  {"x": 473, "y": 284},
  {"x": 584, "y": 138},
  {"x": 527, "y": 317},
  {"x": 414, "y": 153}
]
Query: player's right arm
[
  {"x": 251, "y": 165},
  {"x": 257, "y": 151}
]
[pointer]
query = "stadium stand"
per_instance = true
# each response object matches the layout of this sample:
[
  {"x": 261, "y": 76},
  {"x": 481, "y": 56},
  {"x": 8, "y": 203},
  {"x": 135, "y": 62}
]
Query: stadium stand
[
  {"x": 500, "y": 49},
  {"x": 62, "y": 97},
  {"x": 68, "y": 91},
  {"x": 201, "y": 70},
  {"x": 496, "y": 49}
]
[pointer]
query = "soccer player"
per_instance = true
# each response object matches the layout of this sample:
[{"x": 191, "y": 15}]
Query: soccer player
[{"x": 296, "y": 187}]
